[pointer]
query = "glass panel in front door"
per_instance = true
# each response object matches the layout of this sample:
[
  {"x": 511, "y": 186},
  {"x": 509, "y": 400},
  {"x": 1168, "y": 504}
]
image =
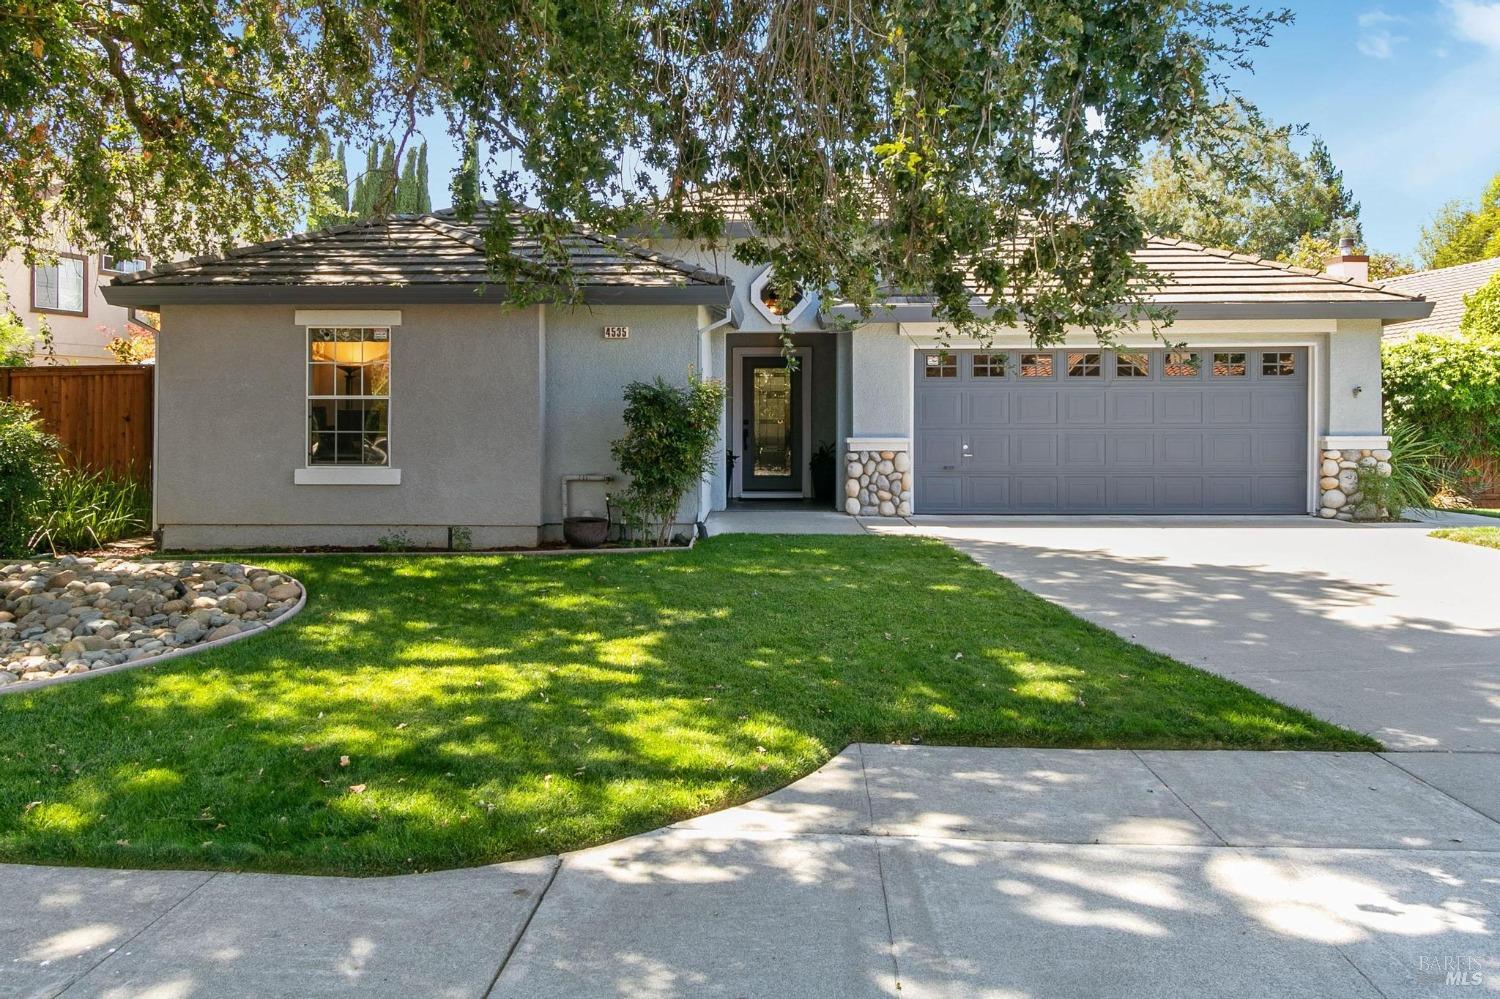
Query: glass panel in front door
[{"x": 771, "y": 424}]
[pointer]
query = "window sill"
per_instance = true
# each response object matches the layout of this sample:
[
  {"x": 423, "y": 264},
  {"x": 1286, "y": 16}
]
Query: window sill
[{"x": 346, "y": 475}]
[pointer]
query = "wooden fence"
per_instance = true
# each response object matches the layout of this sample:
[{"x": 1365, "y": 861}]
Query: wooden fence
[{"x": 101, "y": 413}]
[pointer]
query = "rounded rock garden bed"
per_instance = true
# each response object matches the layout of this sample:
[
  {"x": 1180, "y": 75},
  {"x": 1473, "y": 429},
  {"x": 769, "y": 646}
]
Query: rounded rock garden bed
[{"x": 65, "y": 616}]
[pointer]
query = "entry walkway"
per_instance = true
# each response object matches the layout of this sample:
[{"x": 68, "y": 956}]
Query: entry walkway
[{"x": 893, "y": 871}]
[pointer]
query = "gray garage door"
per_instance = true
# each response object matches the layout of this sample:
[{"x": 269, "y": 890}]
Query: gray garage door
[{"x": 1103, "y": 431}]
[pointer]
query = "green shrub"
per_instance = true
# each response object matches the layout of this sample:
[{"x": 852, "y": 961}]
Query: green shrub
[
  {"x": 28, "y": 462},
  {"x": 1448, "y": 390},
  {"x": 1482, "y": 310},
  {"x": 1419, "y": 469},
  {"x": 84, "y": 509},
  {"x": 671, "y": 435},
  {"x": 16, "y": 341}
]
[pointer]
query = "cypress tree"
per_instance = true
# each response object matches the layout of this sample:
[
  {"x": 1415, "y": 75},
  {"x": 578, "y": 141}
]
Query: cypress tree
[
  {"x": 406, "y": 186},
  {"x": 424, "y": 193},
  {"x": 340, "y": 192}
]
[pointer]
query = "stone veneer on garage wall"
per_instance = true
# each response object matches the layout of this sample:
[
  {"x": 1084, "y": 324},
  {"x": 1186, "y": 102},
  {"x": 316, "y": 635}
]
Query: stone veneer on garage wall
[
  {"x": 877, "y": 477},
  {"x": 1339, "y": 488}
]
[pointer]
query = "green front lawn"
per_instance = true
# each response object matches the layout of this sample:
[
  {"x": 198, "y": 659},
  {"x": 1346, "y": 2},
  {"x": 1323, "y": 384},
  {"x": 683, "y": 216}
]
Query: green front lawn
[
  {"x": 432, "y": 712},
  {"x": 1489, "y": 537},
  {"x": 1482, "y": 511}
]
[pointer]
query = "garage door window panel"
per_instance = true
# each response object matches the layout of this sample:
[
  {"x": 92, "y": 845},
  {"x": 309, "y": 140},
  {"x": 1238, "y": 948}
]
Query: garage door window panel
[
  {"x": 1278, "y": 365},
  {"x": 990, "y": 365},
  {"x": 1132, "y": 365},
  {"x": 1036, "y": 365},
  {"x": 1230, "y": 365},
  {"x": 1182, "y": 365},
  {"x": 1085, "y": 365},
  {"x": 941, "y": 366}
]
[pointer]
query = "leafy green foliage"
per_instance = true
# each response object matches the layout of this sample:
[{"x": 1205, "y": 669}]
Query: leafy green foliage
[
  {"x": 1419, "y": 470},
  {"x": 1313, "y": 252},
  {"x": 85, "y": 508},
  {"x": 908, "y": 145},
  {"x": 500, "y": 706},
  {"x": 378, "y": 189},
  {"x": 671, "y": 438},
  {"x": 16, "y": 341},
  {"x": 28, "y": 463},
  {"x": 1449, "y": 389},
  {"x": 170, "y": 127},
  {"x": 1285, "y": 198},
  {"x": 1460, "y": 234},
  {"x": 1482, "y": 310}
]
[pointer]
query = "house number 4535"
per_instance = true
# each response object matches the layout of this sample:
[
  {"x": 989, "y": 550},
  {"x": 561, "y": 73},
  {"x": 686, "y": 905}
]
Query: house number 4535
[{"x": 617, "y": 332}]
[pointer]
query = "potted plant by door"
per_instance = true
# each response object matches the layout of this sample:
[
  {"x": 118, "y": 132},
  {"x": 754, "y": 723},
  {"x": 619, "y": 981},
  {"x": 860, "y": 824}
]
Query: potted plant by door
[{"x": 822, "y": 465}]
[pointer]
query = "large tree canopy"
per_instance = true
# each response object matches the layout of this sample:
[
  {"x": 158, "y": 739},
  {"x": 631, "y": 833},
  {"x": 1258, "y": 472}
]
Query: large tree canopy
[
  {"x": 1461, "y": 234},
  {"x": 1285, "y": 197},
  {"x": 876, "y": 144}
]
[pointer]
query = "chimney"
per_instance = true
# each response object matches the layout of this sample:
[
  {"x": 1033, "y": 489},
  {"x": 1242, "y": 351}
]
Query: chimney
[{"x": 1348, "y": 264}]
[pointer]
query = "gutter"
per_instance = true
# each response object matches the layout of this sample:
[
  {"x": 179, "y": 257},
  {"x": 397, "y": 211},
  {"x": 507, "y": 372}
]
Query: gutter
[
  {"x": 154, "y": 296},
  {"x": 919, "y": 310}
]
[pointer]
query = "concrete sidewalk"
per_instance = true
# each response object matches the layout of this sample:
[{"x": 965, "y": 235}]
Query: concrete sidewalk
[{"x": 892, "y": 871}]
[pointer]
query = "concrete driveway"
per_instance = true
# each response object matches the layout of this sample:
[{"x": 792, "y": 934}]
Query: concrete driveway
[{"x": 1379, "y": 628}]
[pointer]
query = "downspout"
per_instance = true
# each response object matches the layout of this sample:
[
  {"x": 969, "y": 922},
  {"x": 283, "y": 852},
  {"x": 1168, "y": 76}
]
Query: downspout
[{"x": 705, "y": 362}]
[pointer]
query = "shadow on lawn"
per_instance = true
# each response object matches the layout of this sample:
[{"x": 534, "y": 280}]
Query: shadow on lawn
[{"x": 451, "y": 711}]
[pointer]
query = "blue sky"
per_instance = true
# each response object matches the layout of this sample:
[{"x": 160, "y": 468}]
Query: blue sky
[{"x": 1405, "y": 92}]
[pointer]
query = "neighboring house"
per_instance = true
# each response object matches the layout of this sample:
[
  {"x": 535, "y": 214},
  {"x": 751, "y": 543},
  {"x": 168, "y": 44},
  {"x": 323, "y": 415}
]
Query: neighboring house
[
  {"x": 366, "y": 382},
  {"x": 69, "y": 294},
  {"x": 1445, "y": 288}
]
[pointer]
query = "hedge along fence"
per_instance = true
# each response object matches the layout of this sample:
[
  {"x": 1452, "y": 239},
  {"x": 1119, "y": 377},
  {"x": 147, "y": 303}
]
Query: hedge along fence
[
  {"x": 100, "y": 413},
  {"x": 1448, "y": 389}
]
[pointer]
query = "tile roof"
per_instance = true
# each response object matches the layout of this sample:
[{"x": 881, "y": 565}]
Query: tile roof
[
  {"x": 414, "y": 250},
  {"x": 1194, "y": 273},
  {"x": 1201, "y": 282},
  {"x": 1445, "y": 287}
]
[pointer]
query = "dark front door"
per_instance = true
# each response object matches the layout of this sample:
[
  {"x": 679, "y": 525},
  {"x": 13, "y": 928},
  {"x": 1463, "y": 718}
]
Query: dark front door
[{"x": 771, "y": 435}]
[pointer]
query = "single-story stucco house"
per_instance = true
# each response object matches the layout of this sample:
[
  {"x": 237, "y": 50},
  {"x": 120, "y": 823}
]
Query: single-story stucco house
[{"x": 366, "y": 382}]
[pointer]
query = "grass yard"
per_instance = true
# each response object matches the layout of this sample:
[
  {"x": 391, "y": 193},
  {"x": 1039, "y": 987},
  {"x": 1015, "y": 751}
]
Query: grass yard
[
  {"x": 1489, "y": 537},
  {"x": 1482, "y": 511},
  {"x": 431, "y": 712}
]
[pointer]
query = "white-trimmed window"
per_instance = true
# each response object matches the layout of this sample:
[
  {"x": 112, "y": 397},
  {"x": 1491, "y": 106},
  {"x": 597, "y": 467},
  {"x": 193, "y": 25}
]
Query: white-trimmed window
[
  {"x": 61, "y": 286},
  {"x": 348, "y": 396}
]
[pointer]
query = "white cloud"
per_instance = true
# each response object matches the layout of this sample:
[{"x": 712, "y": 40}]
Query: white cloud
[
  {"x": 1477, "y": 21},
  {"x": 1376, "y": 38}
]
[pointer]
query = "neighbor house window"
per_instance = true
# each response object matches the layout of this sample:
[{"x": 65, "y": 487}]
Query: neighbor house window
[
  {"x": 348, "y": 395},
  {"x": 1275, "y": 365},
  {"x": 1132, "y": 366},
  {"x": 145, "y": 317},
  {"x": 1084, "y": 365},
  {"x": 122, "y": 265},
  {"x": 1229, "y": 365},
  {"x": 59, "y": 286},
  {"x": 989, "y": 365}
]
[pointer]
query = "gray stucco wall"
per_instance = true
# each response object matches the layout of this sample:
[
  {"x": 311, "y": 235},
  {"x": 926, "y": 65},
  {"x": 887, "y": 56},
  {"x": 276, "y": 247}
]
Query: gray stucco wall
[
  {"x": 231, "y": 426},
  {"x": 880, "y": 373},
  {"x": 585, "y": 388},
  {"x": 1354, "y": 362}
]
